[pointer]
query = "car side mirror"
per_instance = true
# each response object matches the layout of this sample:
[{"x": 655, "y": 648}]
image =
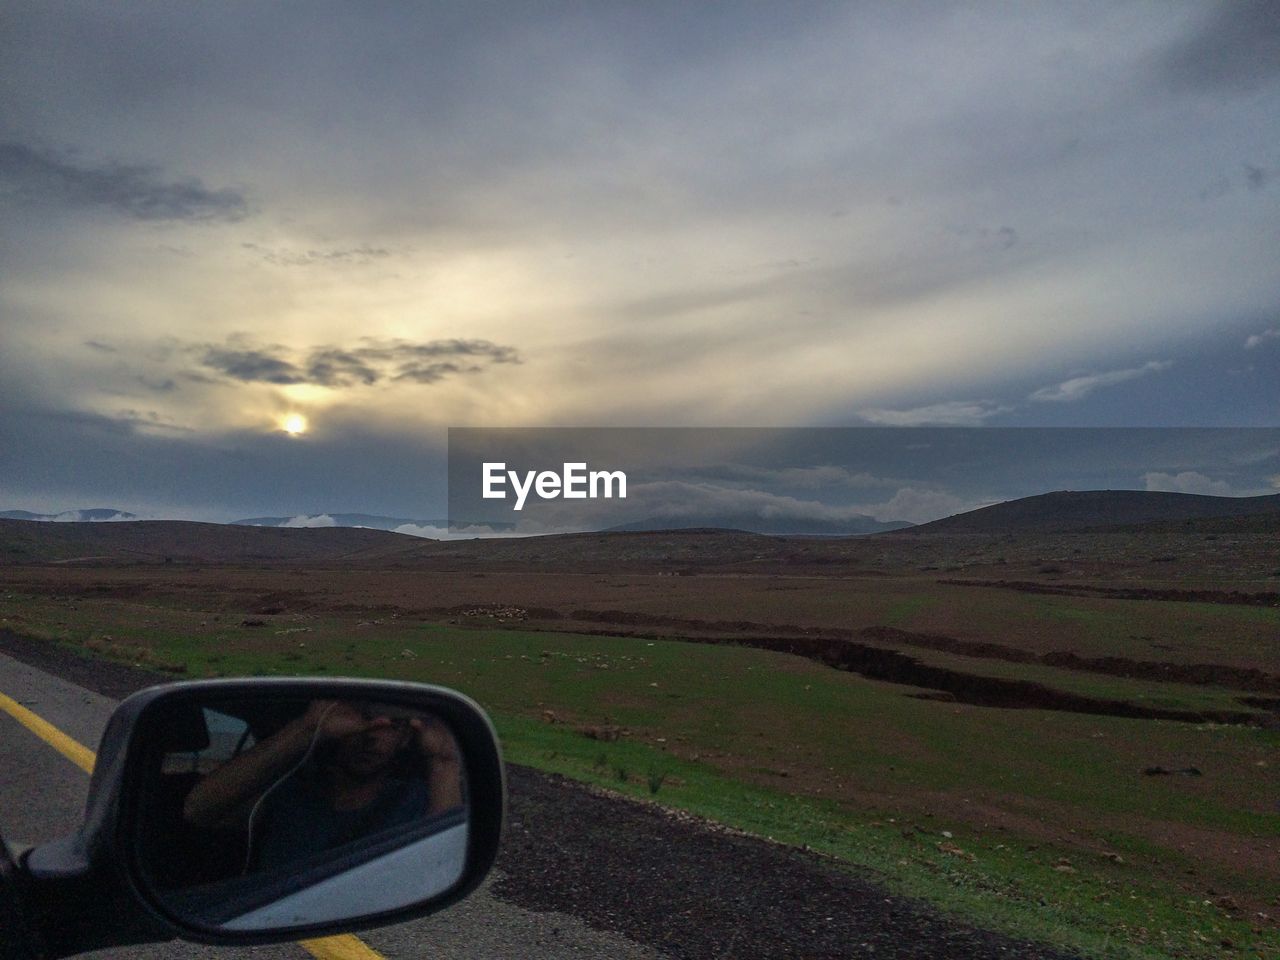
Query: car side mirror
[{"x": 251, "y": 811}]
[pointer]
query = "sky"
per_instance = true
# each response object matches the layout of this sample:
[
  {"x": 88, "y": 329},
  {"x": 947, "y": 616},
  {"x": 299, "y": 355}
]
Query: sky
[{"x": 367, "y": 223}]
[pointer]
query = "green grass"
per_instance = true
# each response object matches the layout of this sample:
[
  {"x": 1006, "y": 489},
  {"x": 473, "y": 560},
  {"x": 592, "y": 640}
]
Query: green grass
[
  {"x": 904, "y": 611},
  {"x": 863, "y": 761},
  {"x": 1102, "y": 909}
]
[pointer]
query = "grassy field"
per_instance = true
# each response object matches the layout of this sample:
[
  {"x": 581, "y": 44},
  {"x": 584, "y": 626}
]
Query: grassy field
[{"x": 1036, "y": 822}]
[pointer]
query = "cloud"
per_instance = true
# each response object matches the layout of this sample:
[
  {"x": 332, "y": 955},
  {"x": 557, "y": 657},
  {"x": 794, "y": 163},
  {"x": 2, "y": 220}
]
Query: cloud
[
  {"x": 333, "y": 367},
  {"x": 1257, "y": 177},
  {"x": 689, "y": 502},
  {"x": 135, "y": 191},
  {"x": 918, "y": 505},
  {"x": 304, "y": 520},
  {"x": 148, "y": 420},
  {"x": 1258, "y": 339},
  {"x": 1237, "y": 47},
  {"x": 433, "y": 372},
  {"x": 953, "y": 413},
  {"x": 358, "y": 255},
  {"x": 1188, "y": 481},
  {"x": 975, "y": 413},
  {"x": 367, "y": 362},
  {"x": 807, "y": 478},
  {"x": 167, "y": 385},
  {"x": 373, "y": 360},
  {"x": 675, "y": 499},
  {"x": 680, "y": 500},
  {"x": 433, "y": 349},
  {"x": 86, "y": 516},
  {"x": 1077, "y": 388},
  {"x": 252, "y": 366}
]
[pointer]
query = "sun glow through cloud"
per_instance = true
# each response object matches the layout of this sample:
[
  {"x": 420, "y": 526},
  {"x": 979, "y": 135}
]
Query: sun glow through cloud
[{"x": 294, "y": 424}]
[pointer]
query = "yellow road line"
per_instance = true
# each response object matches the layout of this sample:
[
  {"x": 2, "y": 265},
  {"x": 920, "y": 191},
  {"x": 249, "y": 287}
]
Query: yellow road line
[
  {"x": 77, "y": 753},
  {"x": 342, "y": 947}
]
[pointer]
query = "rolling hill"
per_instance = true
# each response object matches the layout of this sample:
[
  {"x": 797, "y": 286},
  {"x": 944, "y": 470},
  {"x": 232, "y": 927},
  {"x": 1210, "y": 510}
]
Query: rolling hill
[
  {"x": 771, "y": 526},
  {"x": 1118, "y": 531},
  {"x": 1088, "y": 509},
  {"x": 181, "y": 541}
]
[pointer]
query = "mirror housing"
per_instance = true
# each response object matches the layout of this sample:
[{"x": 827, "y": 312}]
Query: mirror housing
[{"x": 99, "y": 887}]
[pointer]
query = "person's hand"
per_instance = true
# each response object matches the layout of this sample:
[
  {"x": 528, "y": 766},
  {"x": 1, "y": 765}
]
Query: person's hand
[
  {"x": 334, "y": 718},
  {"x": 434, "y": 739}
]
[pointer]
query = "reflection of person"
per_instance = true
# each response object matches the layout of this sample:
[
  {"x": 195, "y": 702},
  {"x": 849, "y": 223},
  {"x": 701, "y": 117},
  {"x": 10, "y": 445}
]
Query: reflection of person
[{"x": 338, "y": 772}]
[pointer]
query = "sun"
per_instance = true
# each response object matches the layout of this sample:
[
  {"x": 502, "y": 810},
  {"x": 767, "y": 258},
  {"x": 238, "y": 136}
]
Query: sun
[{"x": 294, "y": 424}]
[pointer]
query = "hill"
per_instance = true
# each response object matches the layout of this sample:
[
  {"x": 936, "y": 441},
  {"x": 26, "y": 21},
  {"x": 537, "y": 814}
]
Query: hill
[
  {"x": 1182, "y": 550},
  {"x": 771, "y": 526},
  {"x": 181, "y": 541},
  {"x": 1089, "y": 509}
]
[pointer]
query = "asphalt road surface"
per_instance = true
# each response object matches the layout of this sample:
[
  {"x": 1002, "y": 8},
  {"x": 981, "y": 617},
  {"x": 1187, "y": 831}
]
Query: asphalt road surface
[{"x": 42, "y": 796}]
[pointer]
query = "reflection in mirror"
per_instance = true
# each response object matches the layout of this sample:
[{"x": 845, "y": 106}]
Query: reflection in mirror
[{"x": 257, "y": 814}]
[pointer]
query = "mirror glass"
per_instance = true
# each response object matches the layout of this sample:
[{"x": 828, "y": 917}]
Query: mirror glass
[{"x": 259, "y": 814}]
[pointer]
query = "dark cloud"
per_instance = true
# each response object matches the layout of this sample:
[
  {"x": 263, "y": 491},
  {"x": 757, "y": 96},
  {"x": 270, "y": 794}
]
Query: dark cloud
[
  {"x": 1257, "y": 177},
  {"x": 159, "y": 386},
  {"x": 253, "y": 366},
  {"x": 149, "y": 419},
  {"x": 368, "y": 362},
  {"x": 333, "y": 368},
  {"x": 1237, "y": 47},
  {"x": 135, "y": 191},
  {"x": 481, "y": 349},
  {"x": 433, "y": 372}
]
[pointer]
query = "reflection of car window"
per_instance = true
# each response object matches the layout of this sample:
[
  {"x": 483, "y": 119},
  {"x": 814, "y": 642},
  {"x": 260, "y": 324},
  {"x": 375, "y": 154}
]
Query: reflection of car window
[{"x": 228, "y": 736}]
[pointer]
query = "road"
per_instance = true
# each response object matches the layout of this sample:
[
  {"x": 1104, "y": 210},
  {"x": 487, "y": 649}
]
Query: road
[{"x": 42, "y": 797}]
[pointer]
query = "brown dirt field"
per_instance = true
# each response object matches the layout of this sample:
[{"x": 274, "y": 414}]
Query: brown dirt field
[{"x": 1167, "y": 640}]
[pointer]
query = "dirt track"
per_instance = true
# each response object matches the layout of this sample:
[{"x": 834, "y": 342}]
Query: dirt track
[{"x": 1233, "y": 597}]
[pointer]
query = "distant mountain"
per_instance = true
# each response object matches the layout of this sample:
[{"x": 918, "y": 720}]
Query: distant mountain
[
  {"x": 95, "y": 515},
  {"x": 1079, "y": 510},
  {"x": 771, "y": 526},
  {"x": 371, "y": 521}
]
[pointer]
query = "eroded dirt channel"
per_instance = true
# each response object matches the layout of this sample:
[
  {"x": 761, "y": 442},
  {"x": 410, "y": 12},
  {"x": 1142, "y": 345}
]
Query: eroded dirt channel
[{"x": 879, "y": 663}]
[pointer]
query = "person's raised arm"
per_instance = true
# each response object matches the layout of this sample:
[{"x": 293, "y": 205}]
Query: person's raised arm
[
  {"x": 227, "y": 789},
  {"x": 444, "y": 776}
]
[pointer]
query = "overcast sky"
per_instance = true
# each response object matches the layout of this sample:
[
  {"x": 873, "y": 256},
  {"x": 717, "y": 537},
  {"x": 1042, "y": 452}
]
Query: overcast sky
[{"x": 392, "y": 218}]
